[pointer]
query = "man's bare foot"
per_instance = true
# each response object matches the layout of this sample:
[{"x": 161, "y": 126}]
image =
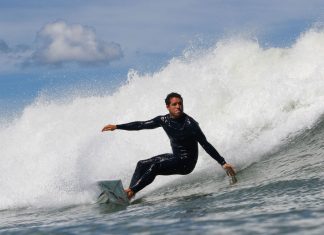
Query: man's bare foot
[{"x": 130, "y": 193}]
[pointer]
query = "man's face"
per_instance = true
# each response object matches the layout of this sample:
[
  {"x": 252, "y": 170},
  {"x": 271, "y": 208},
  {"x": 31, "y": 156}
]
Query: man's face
[{"x": 175, "y": 107}]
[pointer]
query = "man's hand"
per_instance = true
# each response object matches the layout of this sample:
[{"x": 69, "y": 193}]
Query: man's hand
[
  {"x": 229, "y": 169},
  {"x": 109, "y": 127}
]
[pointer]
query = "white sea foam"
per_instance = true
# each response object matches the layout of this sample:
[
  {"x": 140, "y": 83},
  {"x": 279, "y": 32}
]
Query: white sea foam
[{"x": 247, "y": 99}]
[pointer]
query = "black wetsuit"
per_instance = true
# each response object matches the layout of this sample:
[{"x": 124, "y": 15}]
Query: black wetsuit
[{"x": 184, "y": 134}]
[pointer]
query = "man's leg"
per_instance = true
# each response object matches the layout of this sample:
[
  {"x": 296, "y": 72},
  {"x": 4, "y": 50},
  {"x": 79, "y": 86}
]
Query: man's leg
[
  {"x": 141, "y": 167},
  {"x": 147, "y": 170}
]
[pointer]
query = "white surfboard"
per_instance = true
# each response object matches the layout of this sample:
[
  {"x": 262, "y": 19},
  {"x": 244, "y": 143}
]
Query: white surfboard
[{"x": 112, "y": 193}]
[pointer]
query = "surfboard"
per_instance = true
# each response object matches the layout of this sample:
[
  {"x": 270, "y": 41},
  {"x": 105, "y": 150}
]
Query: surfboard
[{"x": 112, "y": 192}]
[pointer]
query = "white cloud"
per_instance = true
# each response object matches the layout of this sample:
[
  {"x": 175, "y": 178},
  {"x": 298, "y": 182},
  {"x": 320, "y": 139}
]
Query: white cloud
[
  {"x": 12, "y": 57},
  {"x": 4, "y": 48},
  {"x": 60, "y": 42}
]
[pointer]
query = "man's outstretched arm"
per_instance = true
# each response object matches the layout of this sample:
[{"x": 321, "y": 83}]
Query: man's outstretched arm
[
  {"x": 134, "y": 126},
  {"x": 213, "y": 152}
]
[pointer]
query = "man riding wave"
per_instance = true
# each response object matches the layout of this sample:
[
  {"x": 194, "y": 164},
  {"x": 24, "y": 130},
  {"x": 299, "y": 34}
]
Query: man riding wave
[{"x": 184, "y": 134}]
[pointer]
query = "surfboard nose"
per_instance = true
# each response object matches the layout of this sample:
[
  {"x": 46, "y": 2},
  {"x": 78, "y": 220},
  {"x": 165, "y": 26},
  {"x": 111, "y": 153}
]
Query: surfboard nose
[{"x": 112, "y": 192}]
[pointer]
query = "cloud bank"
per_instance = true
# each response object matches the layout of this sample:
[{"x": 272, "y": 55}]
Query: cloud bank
[
  {"x": 11, "y": 57},
  {"x": 4, "y": 48},
  {"x": 60, "y": 43}
]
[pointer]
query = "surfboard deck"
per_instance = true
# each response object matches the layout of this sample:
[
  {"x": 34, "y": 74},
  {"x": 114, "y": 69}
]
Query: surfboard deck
[{"x": 112, "y": 192}]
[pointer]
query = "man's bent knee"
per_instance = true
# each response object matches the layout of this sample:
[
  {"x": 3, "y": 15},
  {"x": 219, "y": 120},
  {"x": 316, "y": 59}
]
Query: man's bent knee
[{"x": 140, "y": 164}]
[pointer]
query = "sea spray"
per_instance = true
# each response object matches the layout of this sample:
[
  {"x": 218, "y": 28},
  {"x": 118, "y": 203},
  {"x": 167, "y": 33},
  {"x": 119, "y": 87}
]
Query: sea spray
[{"x": 247, "y": 99}]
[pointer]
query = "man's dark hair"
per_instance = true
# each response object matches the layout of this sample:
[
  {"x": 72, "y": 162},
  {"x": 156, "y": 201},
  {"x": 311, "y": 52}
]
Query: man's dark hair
[{"x": 170, "y": 96}]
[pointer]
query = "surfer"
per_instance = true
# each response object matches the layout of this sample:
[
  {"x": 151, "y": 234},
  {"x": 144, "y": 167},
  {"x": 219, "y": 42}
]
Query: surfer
[{"x": 184, "y": 134}]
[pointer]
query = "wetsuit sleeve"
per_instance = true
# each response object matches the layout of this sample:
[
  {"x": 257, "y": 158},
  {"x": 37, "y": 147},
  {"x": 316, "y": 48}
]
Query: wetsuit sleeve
[
  {"x": 140, "y": 125},
  {"x": 201, "y": 138}
]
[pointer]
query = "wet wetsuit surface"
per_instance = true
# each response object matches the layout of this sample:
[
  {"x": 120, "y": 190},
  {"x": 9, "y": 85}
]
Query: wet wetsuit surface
[{"x": 184, "y": 134}]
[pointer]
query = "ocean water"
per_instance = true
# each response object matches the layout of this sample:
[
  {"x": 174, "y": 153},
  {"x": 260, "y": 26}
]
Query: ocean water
[{"x": 262, "y": 108}]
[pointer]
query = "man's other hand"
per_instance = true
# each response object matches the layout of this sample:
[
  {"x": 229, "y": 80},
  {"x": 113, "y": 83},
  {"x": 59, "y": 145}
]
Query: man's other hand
[{"x": 229, "y": 169}]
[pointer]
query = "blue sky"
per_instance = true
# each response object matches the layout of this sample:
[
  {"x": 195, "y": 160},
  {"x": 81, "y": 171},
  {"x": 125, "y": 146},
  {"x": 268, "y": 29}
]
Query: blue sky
[{"x": 47, "y": 45}]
